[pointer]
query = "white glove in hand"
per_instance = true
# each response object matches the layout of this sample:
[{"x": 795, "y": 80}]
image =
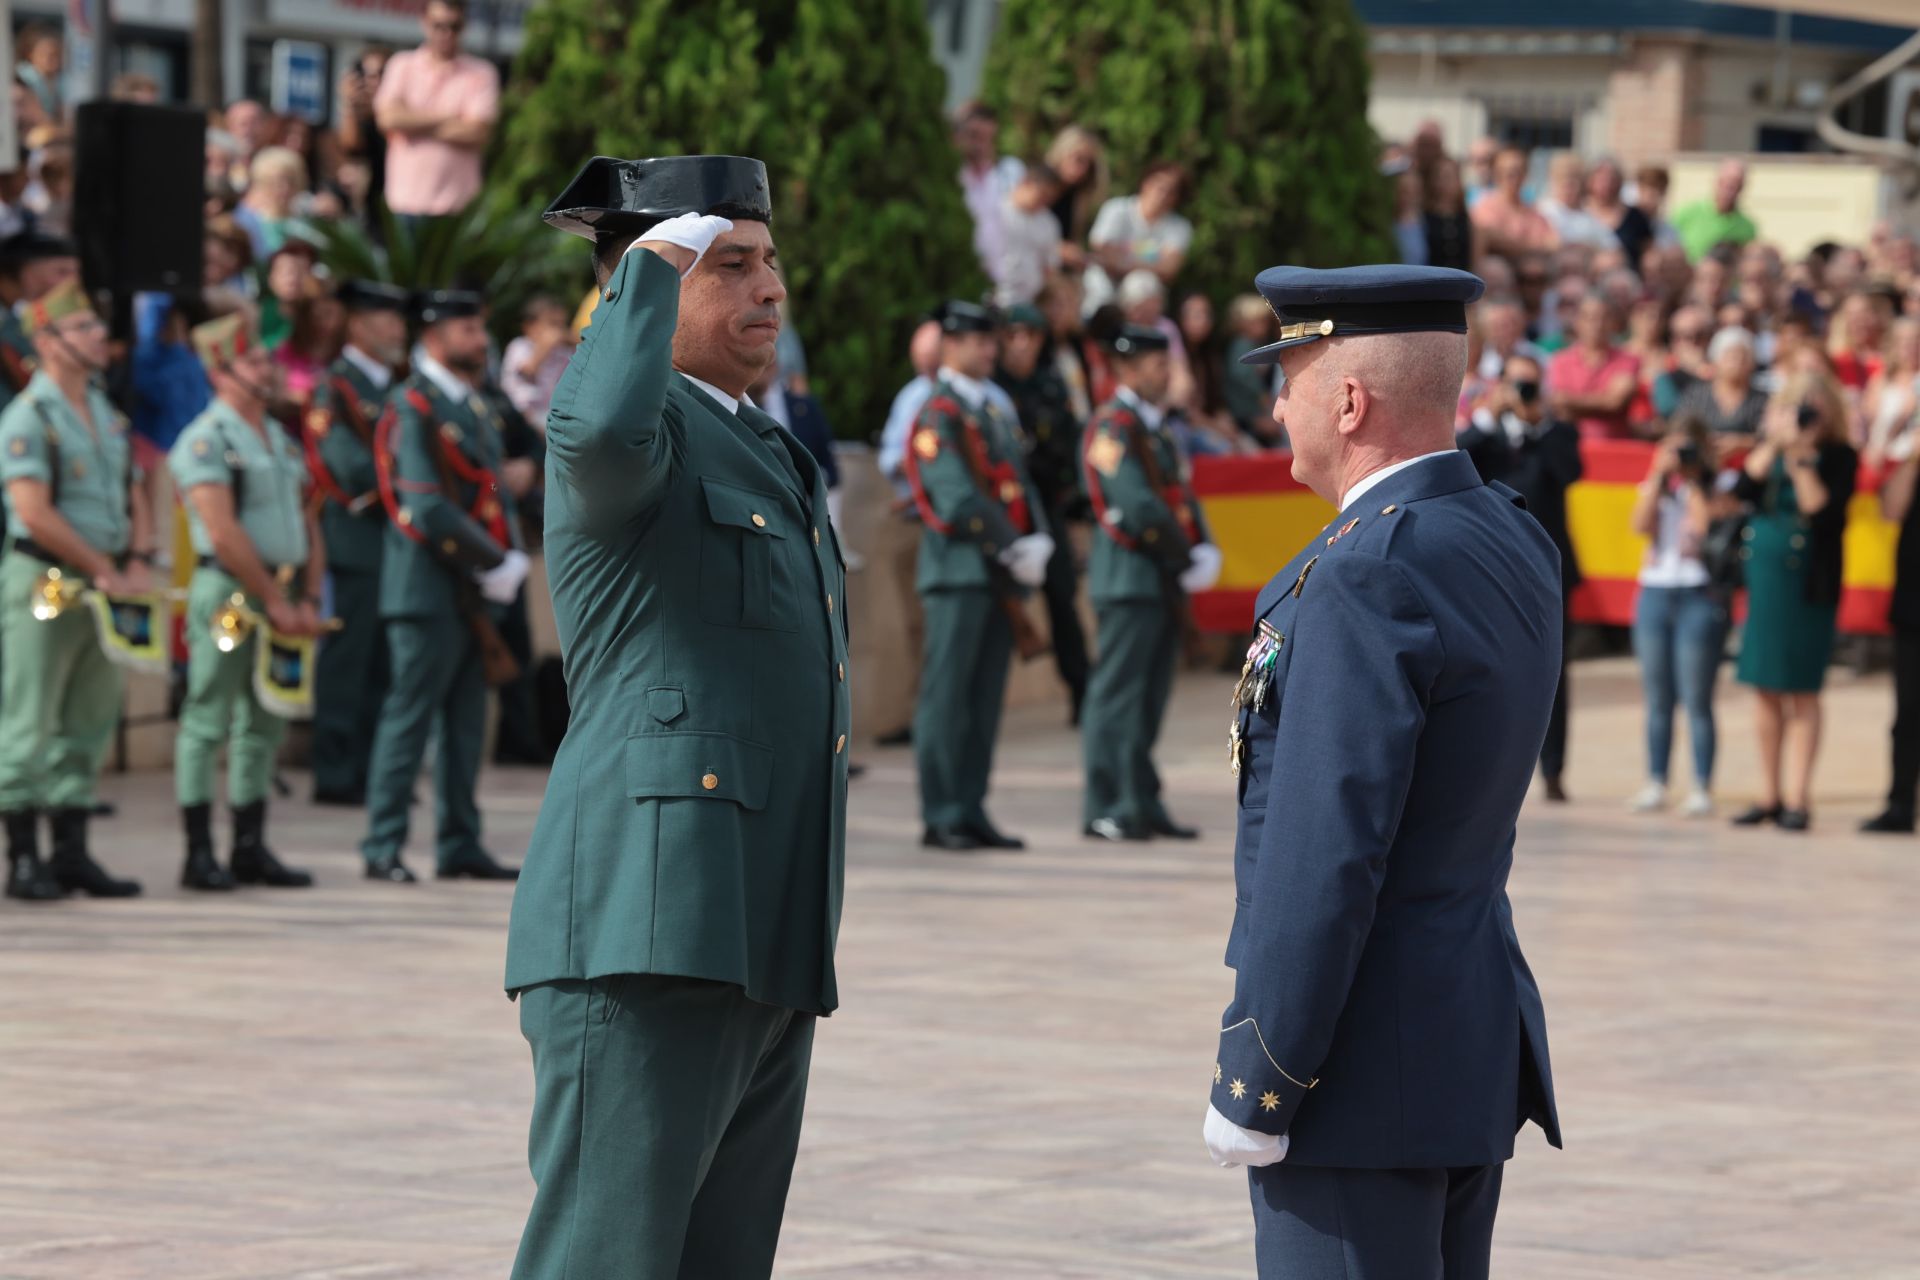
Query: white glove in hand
[
  {"x": 1027, "y": 559},
  {"x": 1230, "y": 1145},
  {"x": 1203, "y": 569},
  {"x": 501, "y": 583},
  {"x": 694, "y": 232}
]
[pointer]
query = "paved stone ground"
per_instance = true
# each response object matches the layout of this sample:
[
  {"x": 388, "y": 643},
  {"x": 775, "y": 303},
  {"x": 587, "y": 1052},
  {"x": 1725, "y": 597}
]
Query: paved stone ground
[{"x": 331, "y": 1085}]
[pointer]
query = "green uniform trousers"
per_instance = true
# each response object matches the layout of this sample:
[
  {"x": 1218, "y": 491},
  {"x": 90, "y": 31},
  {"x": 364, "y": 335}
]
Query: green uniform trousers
[
  {"x": 436, "y": 681},
  {"x": 59, "y": 699},
  {"x": 220, "y": 708},
  {"x": 1126, "y": 702},
  {"x": 666, "y": 1116},
  {"x": 349, "y": 684},
  {"x": 963, "y": 684}
]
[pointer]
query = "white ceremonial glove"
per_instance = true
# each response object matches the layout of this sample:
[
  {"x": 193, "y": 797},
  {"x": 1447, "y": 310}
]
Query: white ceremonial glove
[
  {"x": 694, "y": 232},
  {"x": 1203, "y": 570},
  {"x": 1027, "y": 559},
  {"x": 501, "y": 583},
  {"x": 1230, "y": 1145}
]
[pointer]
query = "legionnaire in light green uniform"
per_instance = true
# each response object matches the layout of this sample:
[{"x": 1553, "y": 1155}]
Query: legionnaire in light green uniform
[
  {"x": 673, "y": 930},
  {"x": 75, "y": 510},
  {"x": 452, "y": 559},
  {"x": 1150, "y": 549},
  {"x": 32, "y": 265},
  {"x": 985, "y": 542},
  {"x": 350, "y": 679},
  {"x": 241, "y": 477}
]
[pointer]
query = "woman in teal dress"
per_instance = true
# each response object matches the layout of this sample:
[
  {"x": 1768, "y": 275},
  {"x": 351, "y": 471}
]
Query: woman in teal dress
[{"x": 1798, "y": 481}]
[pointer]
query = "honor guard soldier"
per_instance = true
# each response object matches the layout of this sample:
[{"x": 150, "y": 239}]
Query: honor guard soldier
[
  {"x": 1150, "y": 549},
  {"x": 1386, "y": 1038},
  {"x": 77, "y": 517},
  {"x": 452, "y": 563},
  {"x": 985, "y": 543},
  {"x": 32, "y": 265},
  {"x": 672, "y": 936},
  {"x": 351, "y": 677},
  {"x": 261, "y": 562}
]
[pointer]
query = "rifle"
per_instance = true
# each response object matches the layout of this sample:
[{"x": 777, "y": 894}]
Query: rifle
[
  {"x": 1028, "y": 642},
  {"x": 497, "y": 662}
]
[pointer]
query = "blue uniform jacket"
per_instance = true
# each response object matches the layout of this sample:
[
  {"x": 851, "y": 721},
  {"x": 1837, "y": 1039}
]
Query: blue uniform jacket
[{"x": 1383, "y": 1015}]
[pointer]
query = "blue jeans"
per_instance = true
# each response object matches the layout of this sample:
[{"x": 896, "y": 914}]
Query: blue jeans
[{"x": 1678, "y": 635}]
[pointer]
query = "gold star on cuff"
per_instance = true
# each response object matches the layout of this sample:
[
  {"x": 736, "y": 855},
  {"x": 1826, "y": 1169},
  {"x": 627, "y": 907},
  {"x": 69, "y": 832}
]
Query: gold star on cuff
[
  {"x": 1269, "y": 1102},
  {"x": 1238, "y": 1089},
  {"x": 1216, "y": 1073}
]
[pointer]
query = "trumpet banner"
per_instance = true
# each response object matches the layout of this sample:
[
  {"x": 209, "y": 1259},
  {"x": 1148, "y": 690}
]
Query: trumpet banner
[
  {"x": 283, "y": 674},
  {"x": 135, "y": 631}
]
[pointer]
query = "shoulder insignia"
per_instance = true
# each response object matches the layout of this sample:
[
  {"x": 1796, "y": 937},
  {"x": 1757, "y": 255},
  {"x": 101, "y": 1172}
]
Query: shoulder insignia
[
  {"x": 202, "y": 447},
  {"x": 1300, "y": 583},
  {"x": 926, "y": 443},
  {"x": 1010, "y": 492},
  {"x": 318, "y": 421},
  {"x": 1389, "y": 509},
  {"x": 79, "y": 469},
  {"x": 18, "y": 448},
  {"x": 449, "y": 432},
  {"x": 1106, "y": 453},
  {"x": 1345, "y": 529}
]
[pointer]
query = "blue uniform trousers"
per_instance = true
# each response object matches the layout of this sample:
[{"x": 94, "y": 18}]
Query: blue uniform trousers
[{"x": 1316, "y": 1223}]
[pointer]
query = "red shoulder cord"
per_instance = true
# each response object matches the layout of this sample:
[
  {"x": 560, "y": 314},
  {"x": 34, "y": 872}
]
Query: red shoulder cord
[
  {"x": 486, "y": 508},
  {"x": 310, "y": 445},
  {"x": 1098, "y": 495},
  {"x": 1007, "y": 489},
  {"x": 383, "y": 467}
]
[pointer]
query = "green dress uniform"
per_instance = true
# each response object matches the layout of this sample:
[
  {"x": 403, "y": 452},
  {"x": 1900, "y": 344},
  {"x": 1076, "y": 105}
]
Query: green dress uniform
[
  {"x": 17, "y": 360},
  {"x": 673, "y": 930},
  {"x": 437, "y": 539},
  {"x": 1146, "y": 532},
  {"x": 60, "y": 695},
  {"x": 350, "y": 676},
  {"x": 963, "y": 681}
]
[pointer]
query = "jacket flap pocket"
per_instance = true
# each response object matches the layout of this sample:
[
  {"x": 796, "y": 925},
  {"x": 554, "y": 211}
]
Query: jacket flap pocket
[
  {"x": 743, "y": 508},
  {"x": 715, "y": 766},
  {"x": 666, "y": 703}
]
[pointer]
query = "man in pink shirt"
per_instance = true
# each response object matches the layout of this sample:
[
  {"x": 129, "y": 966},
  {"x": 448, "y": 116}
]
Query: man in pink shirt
[
  {"x": 437, "y": 106},
  {"x": 1509, "y": 225},
  {"x": 1592, "y": 382}
]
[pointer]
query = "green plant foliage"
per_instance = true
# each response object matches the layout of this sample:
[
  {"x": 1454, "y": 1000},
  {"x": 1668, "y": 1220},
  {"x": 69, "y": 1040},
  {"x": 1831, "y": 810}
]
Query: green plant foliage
[
  {"x": 840, "y": 99},
  {"x": 1263, "y": 101}
]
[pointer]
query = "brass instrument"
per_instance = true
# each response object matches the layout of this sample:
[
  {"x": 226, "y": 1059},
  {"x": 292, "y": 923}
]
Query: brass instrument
[
  {"x": 132, "y": 629},
  {"x": 233, "y": 622},
  {"x": 54, "y": 593}
]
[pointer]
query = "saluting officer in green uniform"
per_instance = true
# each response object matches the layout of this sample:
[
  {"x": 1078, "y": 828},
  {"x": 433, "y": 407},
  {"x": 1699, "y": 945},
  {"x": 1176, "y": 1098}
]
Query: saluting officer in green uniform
[
  {"x": 350, "y": 677},
  {"x": 985, "y": 541},
  {"x": 1150, "y": 549},
  {"x": 32, "y": 265},
  {"x": 672, "y": 936},
  {"x": 241, "y": 477},
  {"x": 75, "y": 510},
  {"x": 452, "y": 558}
]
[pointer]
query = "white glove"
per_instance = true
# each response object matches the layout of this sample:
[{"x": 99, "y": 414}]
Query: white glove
[
  {"x": 1027, "y": 559},
  {"x": 694, "y": 232},
  {"x": 501, "y": 583},
  {"x": 1203, "y": 570},
  {"x": 1230, "y": 1145}
]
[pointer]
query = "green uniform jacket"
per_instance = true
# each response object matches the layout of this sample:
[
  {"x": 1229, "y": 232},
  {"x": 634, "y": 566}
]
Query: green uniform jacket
[
  {"x": 694, "y": 822},
  {"x": 1145, "y": 536},
  {"x": 96, "y": 467},
  {"x": 966, "y": 526},
  {"x": 219, "y": 446},
  {"x": 346, "y": 408},
  {"x": 433, "y": 543}
]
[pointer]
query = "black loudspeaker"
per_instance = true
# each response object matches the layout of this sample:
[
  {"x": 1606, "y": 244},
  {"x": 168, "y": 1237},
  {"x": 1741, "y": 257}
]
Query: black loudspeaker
[{"x": 139, "y": 197}]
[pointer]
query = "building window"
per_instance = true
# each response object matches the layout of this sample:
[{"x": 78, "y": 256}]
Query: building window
[{"x": 1537, "y": 126}]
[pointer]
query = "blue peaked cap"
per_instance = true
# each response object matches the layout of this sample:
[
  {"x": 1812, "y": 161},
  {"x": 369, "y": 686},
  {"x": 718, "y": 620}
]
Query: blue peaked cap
[{"x": 1351, "y": 301}]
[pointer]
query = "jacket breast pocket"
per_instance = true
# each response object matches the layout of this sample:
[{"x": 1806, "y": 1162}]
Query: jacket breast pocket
[{"x": 746, "y": 560}]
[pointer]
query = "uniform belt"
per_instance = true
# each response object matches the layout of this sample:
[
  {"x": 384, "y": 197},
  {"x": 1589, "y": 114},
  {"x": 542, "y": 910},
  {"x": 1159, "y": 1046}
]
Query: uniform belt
[
  {"x": 33, "y": 550},
  {"x": 213, "y": 562}
]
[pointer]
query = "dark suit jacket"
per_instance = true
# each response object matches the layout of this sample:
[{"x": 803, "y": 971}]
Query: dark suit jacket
[
  {"x": 1383, "y": 1015},
  {"x": 1540, "y": 469}
]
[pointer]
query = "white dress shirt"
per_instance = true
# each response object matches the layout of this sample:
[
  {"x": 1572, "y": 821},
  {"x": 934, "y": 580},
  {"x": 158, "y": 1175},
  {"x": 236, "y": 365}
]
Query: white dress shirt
[
  {"x": 1365, "y": 483},
  {"x": 730, "y": 403},
  {"x": 378, "y": 374}
]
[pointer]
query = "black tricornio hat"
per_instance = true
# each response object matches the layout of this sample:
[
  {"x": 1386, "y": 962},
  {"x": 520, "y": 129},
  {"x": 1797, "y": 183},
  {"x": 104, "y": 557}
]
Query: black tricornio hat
[
  {"x": 960, "y": 316},
  {"x": 33, "y": 246},
  {"x": 625, "y": 197},
  {"x": 1138, "y": 339},
  {"x": 371, "y": 295},
  {"x": 435, "y": 305},
  {"x": 1356, "y": 301}
]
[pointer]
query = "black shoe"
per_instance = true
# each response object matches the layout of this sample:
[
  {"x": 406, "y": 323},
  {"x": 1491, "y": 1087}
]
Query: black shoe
[
  {"x": 392, "y": 870},
  {"x": 1891, "y": 822},
  {"x": 854, "y": 771},
  {"x": 1165, "y": 826},
  {"x": 344, "y": 799},
  {"x": 952, "y": 838},
  {"x": 1116, "y": 829},
  {"x": 202, "y": 870},
  {"x": 1758, "y": 816},
  {"x": 28, "y": 878},
  {"x": 478, "y": 865},
  {"x": 1556, "y": 794},
  {"x": 253, "y": 862},
  {"x": 901, "y": 737},
  {"x": 991, "y": 837},
  {"x": 1793, "y": 820},
  {"x": 74, "y": 868},
  {"x": 104, "y": 809}
]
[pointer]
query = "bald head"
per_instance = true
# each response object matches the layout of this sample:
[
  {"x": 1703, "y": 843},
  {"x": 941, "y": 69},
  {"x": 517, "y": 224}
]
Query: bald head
[
  {"x": 924, "y": 349},
  {"x": 1354, "y": 405}
]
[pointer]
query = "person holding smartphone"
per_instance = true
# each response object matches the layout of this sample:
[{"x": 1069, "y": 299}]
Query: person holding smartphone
[{"x": 1798, "y": 481}]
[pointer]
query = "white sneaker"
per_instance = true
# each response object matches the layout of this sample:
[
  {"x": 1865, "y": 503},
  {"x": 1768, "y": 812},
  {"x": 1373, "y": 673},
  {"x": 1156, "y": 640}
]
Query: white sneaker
[
  {"x": 1651, "y": 798},
  {"x": 1699, "y": 805}
]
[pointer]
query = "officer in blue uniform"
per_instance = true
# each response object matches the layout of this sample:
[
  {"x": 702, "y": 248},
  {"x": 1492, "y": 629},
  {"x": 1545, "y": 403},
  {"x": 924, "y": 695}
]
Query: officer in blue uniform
[{"x": 1386, "y": 1040}]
